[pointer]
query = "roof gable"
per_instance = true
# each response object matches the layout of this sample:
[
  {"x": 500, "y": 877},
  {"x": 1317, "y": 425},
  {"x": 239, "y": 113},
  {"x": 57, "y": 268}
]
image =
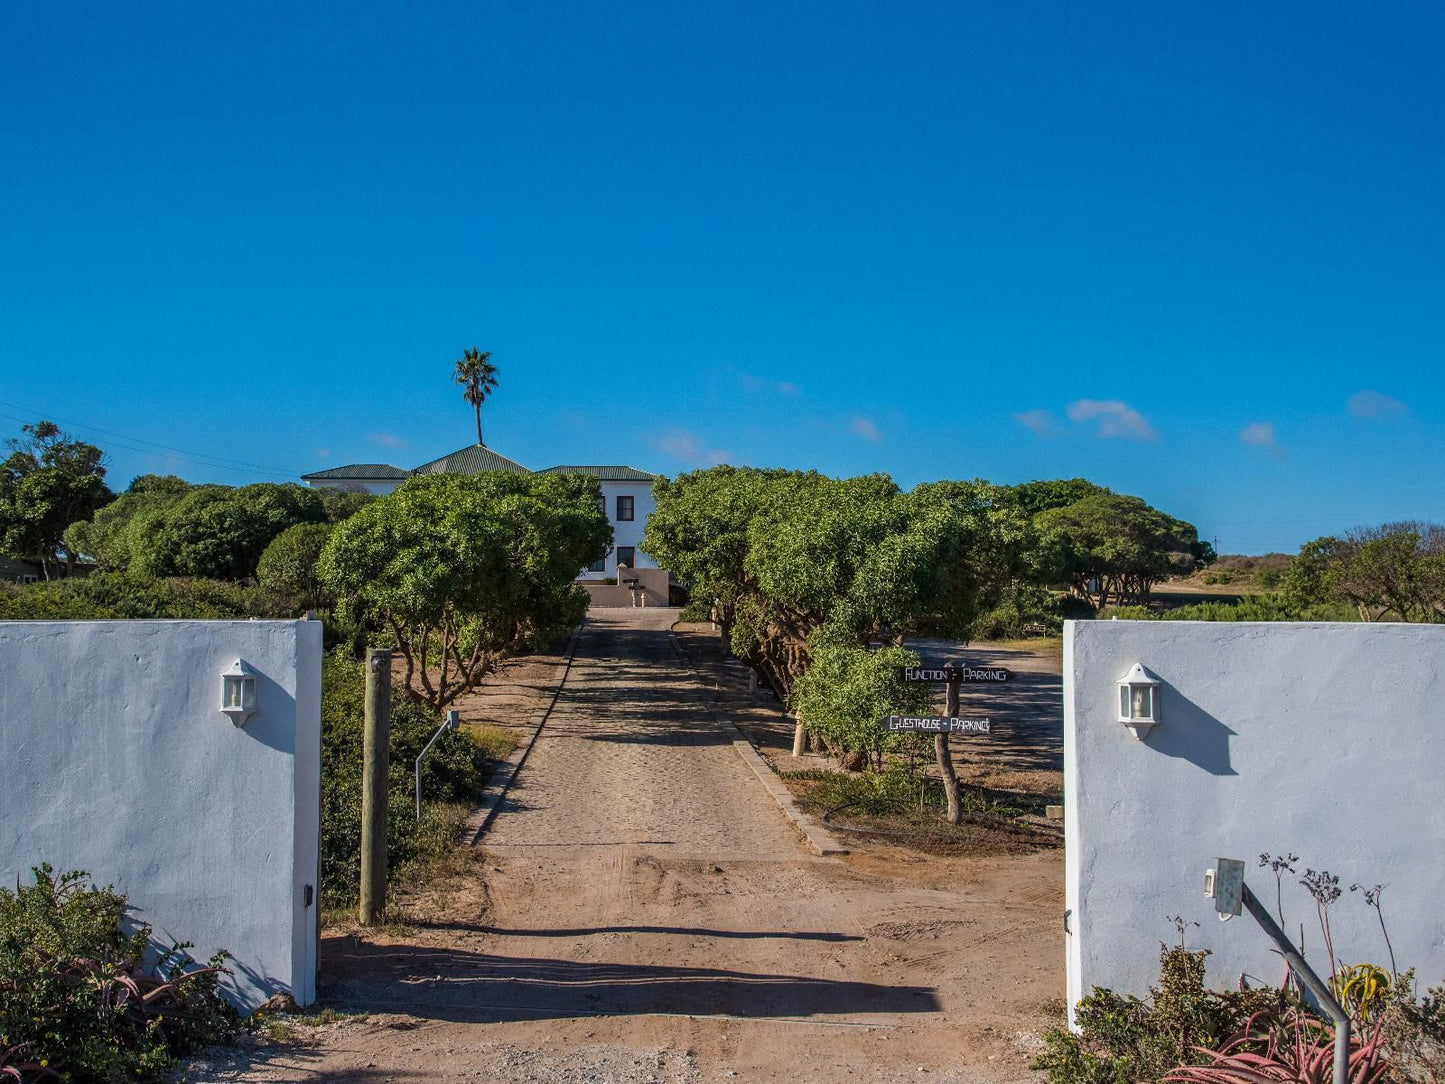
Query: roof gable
[{"x": 473, "y": 459}]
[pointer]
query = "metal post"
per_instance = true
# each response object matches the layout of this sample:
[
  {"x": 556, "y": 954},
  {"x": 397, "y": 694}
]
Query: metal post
[
  {"x": 451, "y": 722},
  {"x": 1316, "y": 985},
  {"x": 375, "y": 770}
]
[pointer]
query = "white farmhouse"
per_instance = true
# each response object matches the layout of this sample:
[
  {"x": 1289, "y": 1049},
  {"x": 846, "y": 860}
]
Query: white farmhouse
[{"x": 626, "y": 496}]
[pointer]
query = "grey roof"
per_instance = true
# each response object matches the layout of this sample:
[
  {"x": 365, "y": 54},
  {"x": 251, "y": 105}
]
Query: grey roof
[
  {"x": 473, "y": 459},
  {"x": 359, "y": 471},
  {"x": 606, "y": 474}
]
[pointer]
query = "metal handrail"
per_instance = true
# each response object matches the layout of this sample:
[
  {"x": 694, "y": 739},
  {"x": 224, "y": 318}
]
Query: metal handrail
[{"x": 451, "y": 722}]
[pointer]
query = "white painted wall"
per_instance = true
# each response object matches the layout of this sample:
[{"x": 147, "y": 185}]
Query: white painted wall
[
  {"x": 379, "y": 487},
  {"x": 1321, "y": 739},
  {"x": 118, "y": 761},
  {"x": 624, "y": 532}
]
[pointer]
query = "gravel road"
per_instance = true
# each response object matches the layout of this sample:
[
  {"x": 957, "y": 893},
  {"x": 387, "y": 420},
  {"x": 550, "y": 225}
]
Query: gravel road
[{"x": 645, "y": 912}]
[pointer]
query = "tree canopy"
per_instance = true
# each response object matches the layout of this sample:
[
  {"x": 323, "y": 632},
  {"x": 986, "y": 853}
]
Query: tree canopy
[
  {"x": 48, "y": 481},
  {"x": 1391, "y": 570},
  {"x": 1114, "y": 548},
  {"x": 162, "y": 526},
  {"x": 466, "y": 570},
  {"x": 787, "y": 553}
]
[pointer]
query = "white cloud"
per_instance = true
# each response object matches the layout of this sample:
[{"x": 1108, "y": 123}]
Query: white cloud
[
  {"x": 1113, "y": 417},
  {"x": 1039, "y": 422},
  {"x": 388, "y": 440},
  {"x": 687, "y": 446},
  {"x": 862, "y": 427},
  {"x": 751, "y": 383},
  {"x": 323, "y": 453},
  {"x": 1372, "y": 404},
  {"x": 1261, "y": 435}
]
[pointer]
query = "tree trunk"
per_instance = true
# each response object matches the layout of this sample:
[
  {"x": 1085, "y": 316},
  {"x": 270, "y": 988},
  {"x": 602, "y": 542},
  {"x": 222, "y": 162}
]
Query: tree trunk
[
  {"x": 478, "y": 408},
  {"x": 945, "y": 758}
]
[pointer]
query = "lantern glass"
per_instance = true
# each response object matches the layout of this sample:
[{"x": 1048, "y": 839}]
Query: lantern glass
[
  {"x": 1141, "y": 702},
  {"x": 231, "y": 692}
]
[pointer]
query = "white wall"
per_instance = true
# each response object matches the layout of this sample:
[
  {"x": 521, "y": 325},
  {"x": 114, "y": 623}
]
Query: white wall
[
  {"x": 379, "y": 487},
  {"x": 1321, "y": 739},
  {"x": 626, "y": 532},
  {"x": 118, "y": 761}
]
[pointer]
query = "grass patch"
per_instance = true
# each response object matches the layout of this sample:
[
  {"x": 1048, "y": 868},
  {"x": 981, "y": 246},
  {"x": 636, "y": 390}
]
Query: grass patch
[
  {"x": 910, "y": 809},
  {"x": 496, "y": 741}
]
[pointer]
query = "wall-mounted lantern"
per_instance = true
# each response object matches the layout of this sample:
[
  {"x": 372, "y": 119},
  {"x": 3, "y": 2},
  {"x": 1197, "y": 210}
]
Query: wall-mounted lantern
[
  {"x": 238, "y": 692},
  {"x": 1139, "y": 701}
]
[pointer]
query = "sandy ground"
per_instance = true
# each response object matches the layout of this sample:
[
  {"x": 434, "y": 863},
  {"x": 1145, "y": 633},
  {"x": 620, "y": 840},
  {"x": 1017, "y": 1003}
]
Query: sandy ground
[{"x": 642, "y": 911}]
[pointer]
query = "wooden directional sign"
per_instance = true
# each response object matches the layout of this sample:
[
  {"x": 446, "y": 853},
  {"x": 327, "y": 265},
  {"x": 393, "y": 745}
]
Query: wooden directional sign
[
  {"x": 947, "y": 724},
  {"x": 951, "y": 673}
]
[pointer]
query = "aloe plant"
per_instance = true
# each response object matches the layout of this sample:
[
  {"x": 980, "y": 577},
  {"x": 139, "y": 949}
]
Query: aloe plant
[{"x": 1296, "y": 1047}]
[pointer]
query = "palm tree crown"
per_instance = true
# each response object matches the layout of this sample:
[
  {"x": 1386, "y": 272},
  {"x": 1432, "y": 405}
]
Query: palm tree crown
[{"x": 478, "y": 378}]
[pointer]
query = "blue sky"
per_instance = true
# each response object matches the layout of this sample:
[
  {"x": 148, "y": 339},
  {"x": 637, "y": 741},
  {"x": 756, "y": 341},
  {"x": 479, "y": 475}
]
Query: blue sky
[{"x": 1192, "y": 252}]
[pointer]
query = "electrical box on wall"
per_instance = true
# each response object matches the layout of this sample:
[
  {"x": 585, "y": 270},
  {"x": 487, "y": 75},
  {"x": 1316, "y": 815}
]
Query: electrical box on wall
[{"x": 1224, "y": 884}]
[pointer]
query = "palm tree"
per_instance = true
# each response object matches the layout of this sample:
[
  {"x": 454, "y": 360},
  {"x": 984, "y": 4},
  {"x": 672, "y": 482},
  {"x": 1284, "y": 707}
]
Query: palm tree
[{"x": 476, "y": 373}]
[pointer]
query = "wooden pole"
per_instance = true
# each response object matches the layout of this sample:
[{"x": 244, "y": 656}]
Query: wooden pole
[
  {"x": 375, "y": 773},
  {"x": 945, "y": 757},
  {"x": 799, "y": 733}
]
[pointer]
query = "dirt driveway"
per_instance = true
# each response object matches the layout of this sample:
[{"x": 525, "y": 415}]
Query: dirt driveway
[{"x": 644, "y": 911}]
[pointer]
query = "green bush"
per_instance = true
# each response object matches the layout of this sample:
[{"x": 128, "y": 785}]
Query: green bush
[
  {"x": 1023, "y": 612},
  {"x": 1122, "y": 1039},
  {"x": 113, "y": 595},
  {"x": 848, "y": 690},
  {"x": 455, "y": 770},
  {"x": 1255, "y": 608},
  {"x": 77, "y": 996},
  {"x": 287, "y": 569}
]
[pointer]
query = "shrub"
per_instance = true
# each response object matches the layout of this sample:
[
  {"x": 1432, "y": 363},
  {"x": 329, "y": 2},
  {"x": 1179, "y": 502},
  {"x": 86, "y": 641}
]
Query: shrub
[
  {"x": 77, "y": 997},
  {"x": 1124, "y": 1039},
  {"x": 455, "y": 770},
  {"x": 847, "y": 692},
  {"x": 287, "y": 569},
  {"x": 1028, "y": 610},
  {"x": 108, "y": 595}
]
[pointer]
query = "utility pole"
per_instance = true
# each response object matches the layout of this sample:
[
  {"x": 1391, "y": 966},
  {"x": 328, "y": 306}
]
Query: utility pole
[
  {"x": 375, "y": 771},
  {"x": 945, "y": 757}
]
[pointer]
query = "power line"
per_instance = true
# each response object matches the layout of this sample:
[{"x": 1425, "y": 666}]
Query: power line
[{"x": 148, "y": 447}]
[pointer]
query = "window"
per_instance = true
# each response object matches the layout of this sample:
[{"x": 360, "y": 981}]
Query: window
[
  {"x": 602, "y": 505},
  {"x": 599, "y": 565},
  {"x": 624, "y": 509},
  {"x": 626, "y": 555}
]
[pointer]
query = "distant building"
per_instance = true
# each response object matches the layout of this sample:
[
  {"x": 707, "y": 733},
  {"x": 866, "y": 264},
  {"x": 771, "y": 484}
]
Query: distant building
[
  {"x": 378, "y": 478},
  {"x": 626, "y": 495}
]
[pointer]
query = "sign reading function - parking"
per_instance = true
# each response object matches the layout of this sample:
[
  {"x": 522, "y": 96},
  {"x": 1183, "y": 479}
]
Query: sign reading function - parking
[
  {"x": 947, "y": 724},
  {"x": 955, "y": 673}
]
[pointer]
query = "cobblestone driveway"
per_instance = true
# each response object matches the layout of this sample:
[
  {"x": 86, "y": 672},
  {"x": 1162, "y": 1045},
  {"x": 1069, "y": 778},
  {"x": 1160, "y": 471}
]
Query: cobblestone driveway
[{"x": 631, "y": 756}]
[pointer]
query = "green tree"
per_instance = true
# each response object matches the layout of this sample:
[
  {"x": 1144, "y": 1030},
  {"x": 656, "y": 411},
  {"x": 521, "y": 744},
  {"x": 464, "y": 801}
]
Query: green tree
[
  {"x": 287, "y": 568},
  {"x": 119, "y": 535},
  {"x": 1394, "y": 569},
  {"x": 164, "y": 527},
  {"x": 466, "y": 570},
  {"x": 478, "y": 378},
  {"x": 848, "y": 691},
  {"x": 47, "y": 483},
  {"x": 1116, "y": 548},
  {"x": 785, "y": 553}
]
